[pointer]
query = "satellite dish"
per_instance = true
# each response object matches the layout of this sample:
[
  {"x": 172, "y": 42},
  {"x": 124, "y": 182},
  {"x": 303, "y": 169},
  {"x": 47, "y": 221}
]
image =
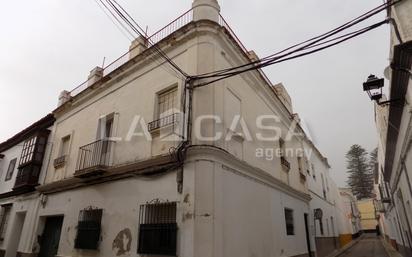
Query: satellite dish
[{"x": 387, "y": 73}]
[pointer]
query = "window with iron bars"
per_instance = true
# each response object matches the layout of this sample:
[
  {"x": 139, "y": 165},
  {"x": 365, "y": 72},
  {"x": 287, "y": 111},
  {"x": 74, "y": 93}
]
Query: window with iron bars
[
  {"x": 88, "y": 229},
  {"x": 158, "y": 229}
]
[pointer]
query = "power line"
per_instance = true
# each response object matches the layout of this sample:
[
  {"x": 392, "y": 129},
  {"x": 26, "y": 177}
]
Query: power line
[
  {"x": 306, "y": 44},
  {"x": 125, "y": 23},
  {"x": 126, "y": 17},
  {"x": 275, "y": 61},
  {"x": 119, "y": 25}
]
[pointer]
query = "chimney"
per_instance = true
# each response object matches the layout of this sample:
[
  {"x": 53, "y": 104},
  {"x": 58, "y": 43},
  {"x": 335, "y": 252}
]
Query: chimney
[
  {"x": 95, "y": 75},
  {"x": 206, "y": 10},
  {"x": 64, "y": 97},
  {"x": 137, "y": 47}
]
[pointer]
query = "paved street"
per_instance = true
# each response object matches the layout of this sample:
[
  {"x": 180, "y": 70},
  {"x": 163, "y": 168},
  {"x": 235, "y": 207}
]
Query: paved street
[{"x": 369, "y": 246}]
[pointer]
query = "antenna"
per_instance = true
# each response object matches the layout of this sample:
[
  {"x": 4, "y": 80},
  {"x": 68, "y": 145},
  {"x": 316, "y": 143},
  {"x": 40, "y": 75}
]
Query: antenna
[{"x": 104, "y": 60}]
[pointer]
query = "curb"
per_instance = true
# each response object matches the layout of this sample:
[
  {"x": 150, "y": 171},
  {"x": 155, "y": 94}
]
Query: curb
[
  {"x": 346, "y": 248},
  {"x": 389, "y": 249}
]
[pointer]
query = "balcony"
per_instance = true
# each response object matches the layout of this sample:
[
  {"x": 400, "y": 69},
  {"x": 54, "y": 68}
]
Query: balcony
[
  {"x": 285, "y": 163},
  {"x": 94, "y": 159},
  {"x": 27, "y": 178},
  {"x": 163, "y": 122}
]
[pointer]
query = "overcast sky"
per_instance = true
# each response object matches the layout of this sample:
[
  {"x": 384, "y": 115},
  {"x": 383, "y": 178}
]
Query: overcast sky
[{"x": 47, "y": 46}]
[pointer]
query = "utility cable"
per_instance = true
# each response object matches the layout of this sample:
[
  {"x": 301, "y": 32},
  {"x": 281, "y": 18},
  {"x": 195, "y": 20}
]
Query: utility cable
[
  {"x": 308, "y": 42},
  {"x": 275, "y": 61}
]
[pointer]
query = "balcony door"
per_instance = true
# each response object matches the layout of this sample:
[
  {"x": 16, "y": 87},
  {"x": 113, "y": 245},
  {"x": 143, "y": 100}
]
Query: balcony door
[{"x": 104, "y": 134}]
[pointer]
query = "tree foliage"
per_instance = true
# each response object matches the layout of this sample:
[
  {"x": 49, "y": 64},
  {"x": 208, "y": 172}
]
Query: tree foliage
[{"x": 361, "y": 174}]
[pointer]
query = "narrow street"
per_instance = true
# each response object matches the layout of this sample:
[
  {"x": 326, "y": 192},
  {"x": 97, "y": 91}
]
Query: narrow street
[{"x": 369, "y": 246}]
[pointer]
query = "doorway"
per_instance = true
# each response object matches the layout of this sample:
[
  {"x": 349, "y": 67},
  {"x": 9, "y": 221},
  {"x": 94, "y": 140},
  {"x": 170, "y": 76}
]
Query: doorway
[
  {"x": 16, "y": 234},
  {"x": 49, "y": 241},
  {"x": 306, "y": 216}
]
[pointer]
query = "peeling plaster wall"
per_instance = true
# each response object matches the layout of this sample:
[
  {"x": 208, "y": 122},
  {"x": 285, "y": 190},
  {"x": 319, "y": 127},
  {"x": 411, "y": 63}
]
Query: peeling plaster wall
[
  {"x": 120, "y": 202},
  {"x": 28, "y": 206}
]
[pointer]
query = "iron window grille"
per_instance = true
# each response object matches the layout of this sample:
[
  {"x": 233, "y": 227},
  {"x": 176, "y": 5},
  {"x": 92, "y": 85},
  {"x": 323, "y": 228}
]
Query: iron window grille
[
  {"x": 290, "y": 226},
  {"x": 88, "y": 229},
  {"x": 158, "y": 229}
]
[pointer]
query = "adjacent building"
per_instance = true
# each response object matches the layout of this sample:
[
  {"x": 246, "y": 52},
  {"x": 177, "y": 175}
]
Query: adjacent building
[
  {"x": 140, "y": 162},
  {"x": 23, "y": 162},
  {"x": 394, "y": 123},
  {"x": 368, "y": 215},
  {"x": 351, "y": 225},
  {"x": 323, "y": 212}
]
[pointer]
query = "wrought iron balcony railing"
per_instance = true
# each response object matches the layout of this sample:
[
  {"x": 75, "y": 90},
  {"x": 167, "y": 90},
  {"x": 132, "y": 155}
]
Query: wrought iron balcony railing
[
  {"x": 163, "y": 122},
  {"x": 94, "y": 158}
]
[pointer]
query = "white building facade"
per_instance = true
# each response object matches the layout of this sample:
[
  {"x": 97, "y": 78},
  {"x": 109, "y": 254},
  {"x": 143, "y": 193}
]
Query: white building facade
[
  {"x": 120, "y": 188},
  {"x": 144, "y": 163},
  {"x": 394, "y": 125},
  {"x": 23, "y": 165}
]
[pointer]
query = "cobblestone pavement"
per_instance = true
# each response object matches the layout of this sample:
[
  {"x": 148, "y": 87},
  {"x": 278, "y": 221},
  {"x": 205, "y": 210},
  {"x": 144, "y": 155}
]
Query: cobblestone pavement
[{"x": 368, "y": 246}]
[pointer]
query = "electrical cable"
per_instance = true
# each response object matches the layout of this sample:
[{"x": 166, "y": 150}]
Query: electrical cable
[
  {"x": 309, "y": 42},
  {"x": 275, "y": 61},
  {"x": 116, "y": 13},
  {"x": 138, "y": 30},
  {"x": 120, "y": 27}
]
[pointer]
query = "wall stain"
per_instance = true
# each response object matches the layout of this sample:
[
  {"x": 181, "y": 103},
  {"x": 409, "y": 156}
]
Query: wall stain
[
  {"x": 186, "y": 199},
  {"x": 187, "y": 216},
  {"x": 122, "y": 242}
]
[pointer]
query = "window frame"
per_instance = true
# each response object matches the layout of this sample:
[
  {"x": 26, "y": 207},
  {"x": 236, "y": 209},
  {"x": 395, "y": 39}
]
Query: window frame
[
  {"x": 289, "y": 221},
  {"x": 62, "y": 146},
  {"x": 175, "y": 102},
  {"x": 321, "y": 228},
  {"x": 158, "y": 219},
  {"x": 90, "y": 219},
  {"x": 102, "y": 126},
  {"x": 11, "y": 169},
  {"x": 28, "y": 151}
]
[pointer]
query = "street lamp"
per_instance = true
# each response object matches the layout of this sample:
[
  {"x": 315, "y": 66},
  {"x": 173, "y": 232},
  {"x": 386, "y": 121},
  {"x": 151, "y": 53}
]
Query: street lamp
[{"x": 373, "y": 86}]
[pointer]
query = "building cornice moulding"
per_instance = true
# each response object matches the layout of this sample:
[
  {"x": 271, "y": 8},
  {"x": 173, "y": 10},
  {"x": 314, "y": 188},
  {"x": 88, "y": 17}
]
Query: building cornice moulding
[{"x": 232, "y": 164}]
